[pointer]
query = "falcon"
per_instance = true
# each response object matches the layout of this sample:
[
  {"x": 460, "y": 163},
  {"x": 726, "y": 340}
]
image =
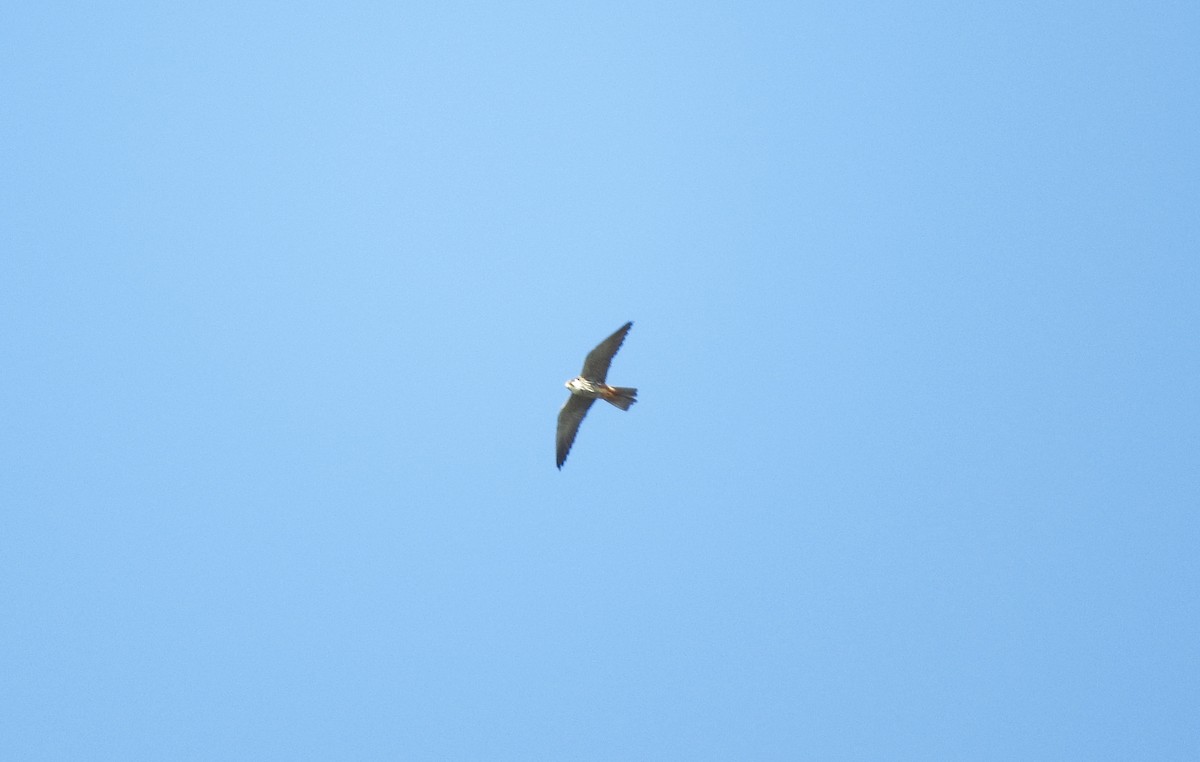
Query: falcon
[{"x": 588, "y": 387}]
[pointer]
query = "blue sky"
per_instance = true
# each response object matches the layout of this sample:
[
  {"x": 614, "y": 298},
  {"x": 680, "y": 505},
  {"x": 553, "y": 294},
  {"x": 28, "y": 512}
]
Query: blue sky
[{"x": 289, "y": 293}]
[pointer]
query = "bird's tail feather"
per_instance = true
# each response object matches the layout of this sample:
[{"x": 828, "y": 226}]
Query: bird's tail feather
[{"x": 623, "y": 396}]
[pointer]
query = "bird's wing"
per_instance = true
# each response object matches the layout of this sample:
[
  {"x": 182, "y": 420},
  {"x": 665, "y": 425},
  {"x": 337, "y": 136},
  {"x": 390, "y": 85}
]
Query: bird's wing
[
  {"x": 595, "y": 367},
  {"x": 569, "y": 418}
]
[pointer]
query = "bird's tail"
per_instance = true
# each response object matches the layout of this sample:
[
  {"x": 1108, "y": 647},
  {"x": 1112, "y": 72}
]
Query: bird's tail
[{"x": 622, "y": 396}]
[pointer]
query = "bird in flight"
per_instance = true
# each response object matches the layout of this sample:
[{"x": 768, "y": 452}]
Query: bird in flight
[{"x": 588, "y": 387}]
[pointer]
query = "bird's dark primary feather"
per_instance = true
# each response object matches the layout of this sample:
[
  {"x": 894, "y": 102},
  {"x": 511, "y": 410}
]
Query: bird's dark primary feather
[
  {"x": 595, "y": 367},
  {"x": 569, "y": 418}
]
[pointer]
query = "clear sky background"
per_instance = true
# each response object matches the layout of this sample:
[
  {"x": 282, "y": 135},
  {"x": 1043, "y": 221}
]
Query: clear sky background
[{"x": 289, "y": 291}]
